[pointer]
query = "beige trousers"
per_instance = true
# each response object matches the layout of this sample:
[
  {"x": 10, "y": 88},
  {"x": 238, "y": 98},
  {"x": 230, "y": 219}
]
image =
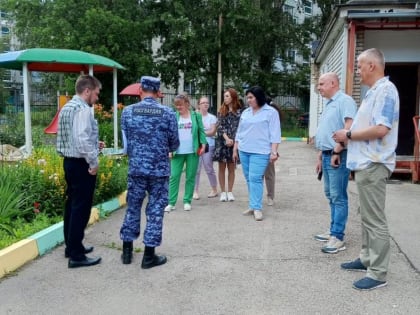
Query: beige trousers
[
  {"x": 270, "y": 180},
  {"x": 375, "y": 252}
]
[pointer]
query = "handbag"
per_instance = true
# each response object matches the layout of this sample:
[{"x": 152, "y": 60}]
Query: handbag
[{"x": 206, "y": 149}]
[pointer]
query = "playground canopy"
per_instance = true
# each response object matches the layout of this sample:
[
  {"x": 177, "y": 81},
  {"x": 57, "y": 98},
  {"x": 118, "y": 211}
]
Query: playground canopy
[
  {"x": 131, "y": 90},
  {"x": 57, "y": 60}
]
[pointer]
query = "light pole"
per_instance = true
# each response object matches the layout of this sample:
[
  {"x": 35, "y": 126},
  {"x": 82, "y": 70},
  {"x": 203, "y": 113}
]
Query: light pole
[{"x": 219, "y": 65}]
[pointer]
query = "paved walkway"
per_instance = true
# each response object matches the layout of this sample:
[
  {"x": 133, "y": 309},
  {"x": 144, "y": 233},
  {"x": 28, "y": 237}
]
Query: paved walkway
[{"x": 220, "y": 262}]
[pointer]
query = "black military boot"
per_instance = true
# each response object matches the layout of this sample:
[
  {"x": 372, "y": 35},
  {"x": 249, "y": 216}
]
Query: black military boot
[
  {"x": 151, "y": 260},
  {"x": 127, "y": 254}
]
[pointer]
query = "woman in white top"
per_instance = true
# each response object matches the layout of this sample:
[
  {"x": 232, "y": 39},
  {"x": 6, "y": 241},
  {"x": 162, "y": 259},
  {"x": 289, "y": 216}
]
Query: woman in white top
[
  {"x": 192, "y": 142},
  {"x": 209, "y": 123}
]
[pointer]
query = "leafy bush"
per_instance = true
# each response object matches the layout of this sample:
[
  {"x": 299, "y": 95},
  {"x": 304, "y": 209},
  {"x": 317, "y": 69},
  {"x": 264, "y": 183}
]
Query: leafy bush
[
  {"x": 112, "y": 178},
  {"x": 40, "y": 181},
  {"x": 32, "y": 191},
  {"x": 13, "y": 202},
  {"x": 13, "y": 131},
  {"x": 106, "y": 124},
  {"x": 22, "y": 229}
]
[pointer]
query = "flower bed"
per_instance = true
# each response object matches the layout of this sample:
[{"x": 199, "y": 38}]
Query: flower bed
[{"x": 32, "y": 191}]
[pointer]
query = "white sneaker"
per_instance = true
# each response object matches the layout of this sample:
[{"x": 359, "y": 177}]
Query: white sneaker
[
  {"x": 169, "y": 208},
  {"x": 333, "y": 246},
  {"x": 230, "y": 196},
  {"x": 196, "y": 196},
  {"x": 258, "y": 215},
  {"x": 270, "y": 202},
  {"x": 187, "y": 207},
  {"x": 248, "y": 212},
  {"x": 223, "y": 196},
  {"x": 323, "y": 237}
]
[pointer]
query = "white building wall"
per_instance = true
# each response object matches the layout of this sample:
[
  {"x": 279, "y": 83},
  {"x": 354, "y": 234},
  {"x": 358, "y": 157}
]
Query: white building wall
[
  {"x": 335, "y": 61},
  {"x": 397, "y": 46}
]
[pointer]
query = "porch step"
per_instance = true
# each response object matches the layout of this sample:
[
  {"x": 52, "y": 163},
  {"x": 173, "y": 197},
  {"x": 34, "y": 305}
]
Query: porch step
[{"x": 403, "y": 171}]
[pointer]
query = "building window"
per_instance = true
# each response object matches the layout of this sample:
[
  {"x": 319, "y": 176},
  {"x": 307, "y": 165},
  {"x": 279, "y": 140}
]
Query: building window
[
  {"x": 307, "y": 7},
  {"x": 291, "y": 54}
]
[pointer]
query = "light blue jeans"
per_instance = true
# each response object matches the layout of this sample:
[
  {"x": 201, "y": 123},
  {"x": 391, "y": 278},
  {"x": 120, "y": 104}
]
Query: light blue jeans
[
  {"x": 253, "y": 166},
  {"x": 336, "y": 180}
]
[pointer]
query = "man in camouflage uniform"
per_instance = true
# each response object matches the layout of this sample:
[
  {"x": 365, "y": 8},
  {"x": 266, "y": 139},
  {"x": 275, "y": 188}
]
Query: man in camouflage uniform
[{"x": 150, "y": 132}]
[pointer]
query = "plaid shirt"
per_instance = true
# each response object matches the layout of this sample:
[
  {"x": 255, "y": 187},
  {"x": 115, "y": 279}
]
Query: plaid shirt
[{"x": 77, "y": 134}]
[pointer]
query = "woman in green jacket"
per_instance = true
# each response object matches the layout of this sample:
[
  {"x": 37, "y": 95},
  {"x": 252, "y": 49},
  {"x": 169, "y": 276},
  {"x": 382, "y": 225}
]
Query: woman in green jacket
[{"x": 192, "y": 144}]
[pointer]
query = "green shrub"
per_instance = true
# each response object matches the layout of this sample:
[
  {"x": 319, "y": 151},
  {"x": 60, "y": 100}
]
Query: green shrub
[
  {"x": 40, "y": 182},
  {"x": 39, "y": 179},
  {"x": 23, "y": 229},
  {"x": 13, "y": 202}
]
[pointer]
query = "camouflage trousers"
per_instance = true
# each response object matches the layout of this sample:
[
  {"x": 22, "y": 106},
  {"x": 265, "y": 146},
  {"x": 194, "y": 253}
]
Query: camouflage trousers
[{"x": 157, "y": 190}]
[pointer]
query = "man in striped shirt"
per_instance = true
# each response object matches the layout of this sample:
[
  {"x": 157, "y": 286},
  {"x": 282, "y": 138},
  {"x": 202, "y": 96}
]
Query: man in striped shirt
[{"x": 77, "y": 142}]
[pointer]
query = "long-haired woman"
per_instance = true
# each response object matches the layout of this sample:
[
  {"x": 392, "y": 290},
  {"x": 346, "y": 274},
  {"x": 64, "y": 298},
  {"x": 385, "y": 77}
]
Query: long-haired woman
[{"x": 227, "y": 124}]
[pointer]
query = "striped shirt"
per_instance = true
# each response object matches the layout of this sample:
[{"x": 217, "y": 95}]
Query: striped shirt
[{"x": 77, "y": 133}]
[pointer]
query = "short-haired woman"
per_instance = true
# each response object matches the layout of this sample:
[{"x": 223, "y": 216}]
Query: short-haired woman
[{"x": 191, "y": 136}]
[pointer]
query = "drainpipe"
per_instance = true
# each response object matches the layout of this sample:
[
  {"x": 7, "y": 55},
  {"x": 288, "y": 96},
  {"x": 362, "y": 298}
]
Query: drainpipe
[{"x": 351, "y": 54}]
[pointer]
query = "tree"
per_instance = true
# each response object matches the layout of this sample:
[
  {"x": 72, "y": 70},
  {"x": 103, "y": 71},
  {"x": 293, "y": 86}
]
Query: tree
[
  {"x": 254, "y": 37},
  {"x": 114, "y": 29},
  {"x": 255, "y": 40},
  {"x": 326, "y": 7}
]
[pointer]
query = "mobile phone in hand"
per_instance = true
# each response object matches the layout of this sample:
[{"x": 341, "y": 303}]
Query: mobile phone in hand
[{"x": 319, "y": 177}]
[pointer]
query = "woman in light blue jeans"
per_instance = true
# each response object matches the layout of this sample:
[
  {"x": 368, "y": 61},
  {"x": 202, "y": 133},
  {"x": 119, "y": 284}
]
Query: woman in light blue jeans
[{"x": 256, "y": 144}]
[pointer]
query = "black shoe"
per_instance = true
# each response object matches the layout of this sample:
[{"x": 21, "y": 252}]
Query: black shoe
[
  {"x": 127, "y": 254},
  {"x": 88, "y": 250},
  {"x": 84, "y": 263},
  {"x": 155, "y": 260}
]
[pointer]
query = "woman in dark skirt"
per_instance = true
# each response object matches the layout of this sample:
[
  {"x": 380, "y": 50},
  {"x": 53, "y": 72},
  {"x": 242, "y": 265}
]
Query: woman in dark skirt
[{"x": 227, "y": 124}]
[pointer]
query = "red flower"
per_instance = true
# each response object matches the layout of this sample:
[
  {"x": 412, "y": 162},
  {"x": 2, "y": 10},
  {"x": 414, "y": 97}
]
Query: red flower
[{"x": 37, "y": 205}]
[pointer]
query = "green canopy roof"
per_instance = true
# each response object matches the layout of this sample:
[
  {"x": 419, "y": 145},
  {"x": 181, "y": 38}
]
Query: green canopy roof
[{"x": 57, "y": 60}]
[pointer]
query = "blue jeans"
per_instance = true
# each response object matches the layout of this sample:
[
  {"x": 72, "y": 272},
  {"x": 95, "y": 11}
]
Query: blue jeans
[
  {"x": 336, "y": 180},
  {"x": 253, "y": 166}
]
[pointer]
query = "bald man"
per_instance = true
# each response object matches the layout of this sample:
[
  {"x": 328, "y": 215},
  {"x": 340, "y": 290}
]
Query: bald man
[
  {"x": 372, "y": 140},
  {"x": 338, "y": 113}
]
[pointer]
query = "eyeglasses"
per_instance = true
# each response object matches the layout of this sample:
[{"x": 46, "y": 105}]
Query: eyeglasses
[{"x": 182, "y": 96}]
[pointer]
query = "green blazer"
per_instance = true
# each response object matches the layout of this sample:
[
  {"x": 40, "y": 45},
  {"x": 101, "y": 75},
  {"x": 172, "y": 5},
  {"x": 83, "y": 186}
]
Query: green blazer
[{"x": 199, "y": 135}]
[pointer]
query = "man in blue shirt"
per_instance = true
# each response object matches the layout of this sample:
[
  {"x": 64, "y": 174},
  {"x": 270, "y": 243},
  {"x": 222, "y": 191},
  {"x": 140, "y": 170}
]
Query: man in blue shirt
[{"x": 337, "y": 114}]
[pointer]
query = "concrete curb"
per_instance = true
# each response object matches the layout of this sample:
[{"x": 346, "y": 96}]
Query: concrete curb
[
  {"x": 303, "y": 139},
  {"x": 18, "y": 254}
]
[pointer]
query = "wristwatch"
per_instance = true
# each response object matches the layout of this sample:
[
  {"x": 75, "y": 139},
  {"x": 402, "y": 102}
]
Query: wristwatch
[{"x": 348, "y": 134}]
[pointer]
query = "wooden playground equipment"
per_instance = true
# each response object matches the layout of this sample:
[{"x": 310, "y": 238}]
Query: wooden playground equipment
[{"x": 411, "y": 164}]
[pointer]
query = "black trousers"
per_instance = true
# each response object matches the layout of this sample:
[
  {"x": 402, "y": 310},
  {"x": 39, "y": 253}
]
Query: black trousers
[{"x": 80, "y": 189}]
